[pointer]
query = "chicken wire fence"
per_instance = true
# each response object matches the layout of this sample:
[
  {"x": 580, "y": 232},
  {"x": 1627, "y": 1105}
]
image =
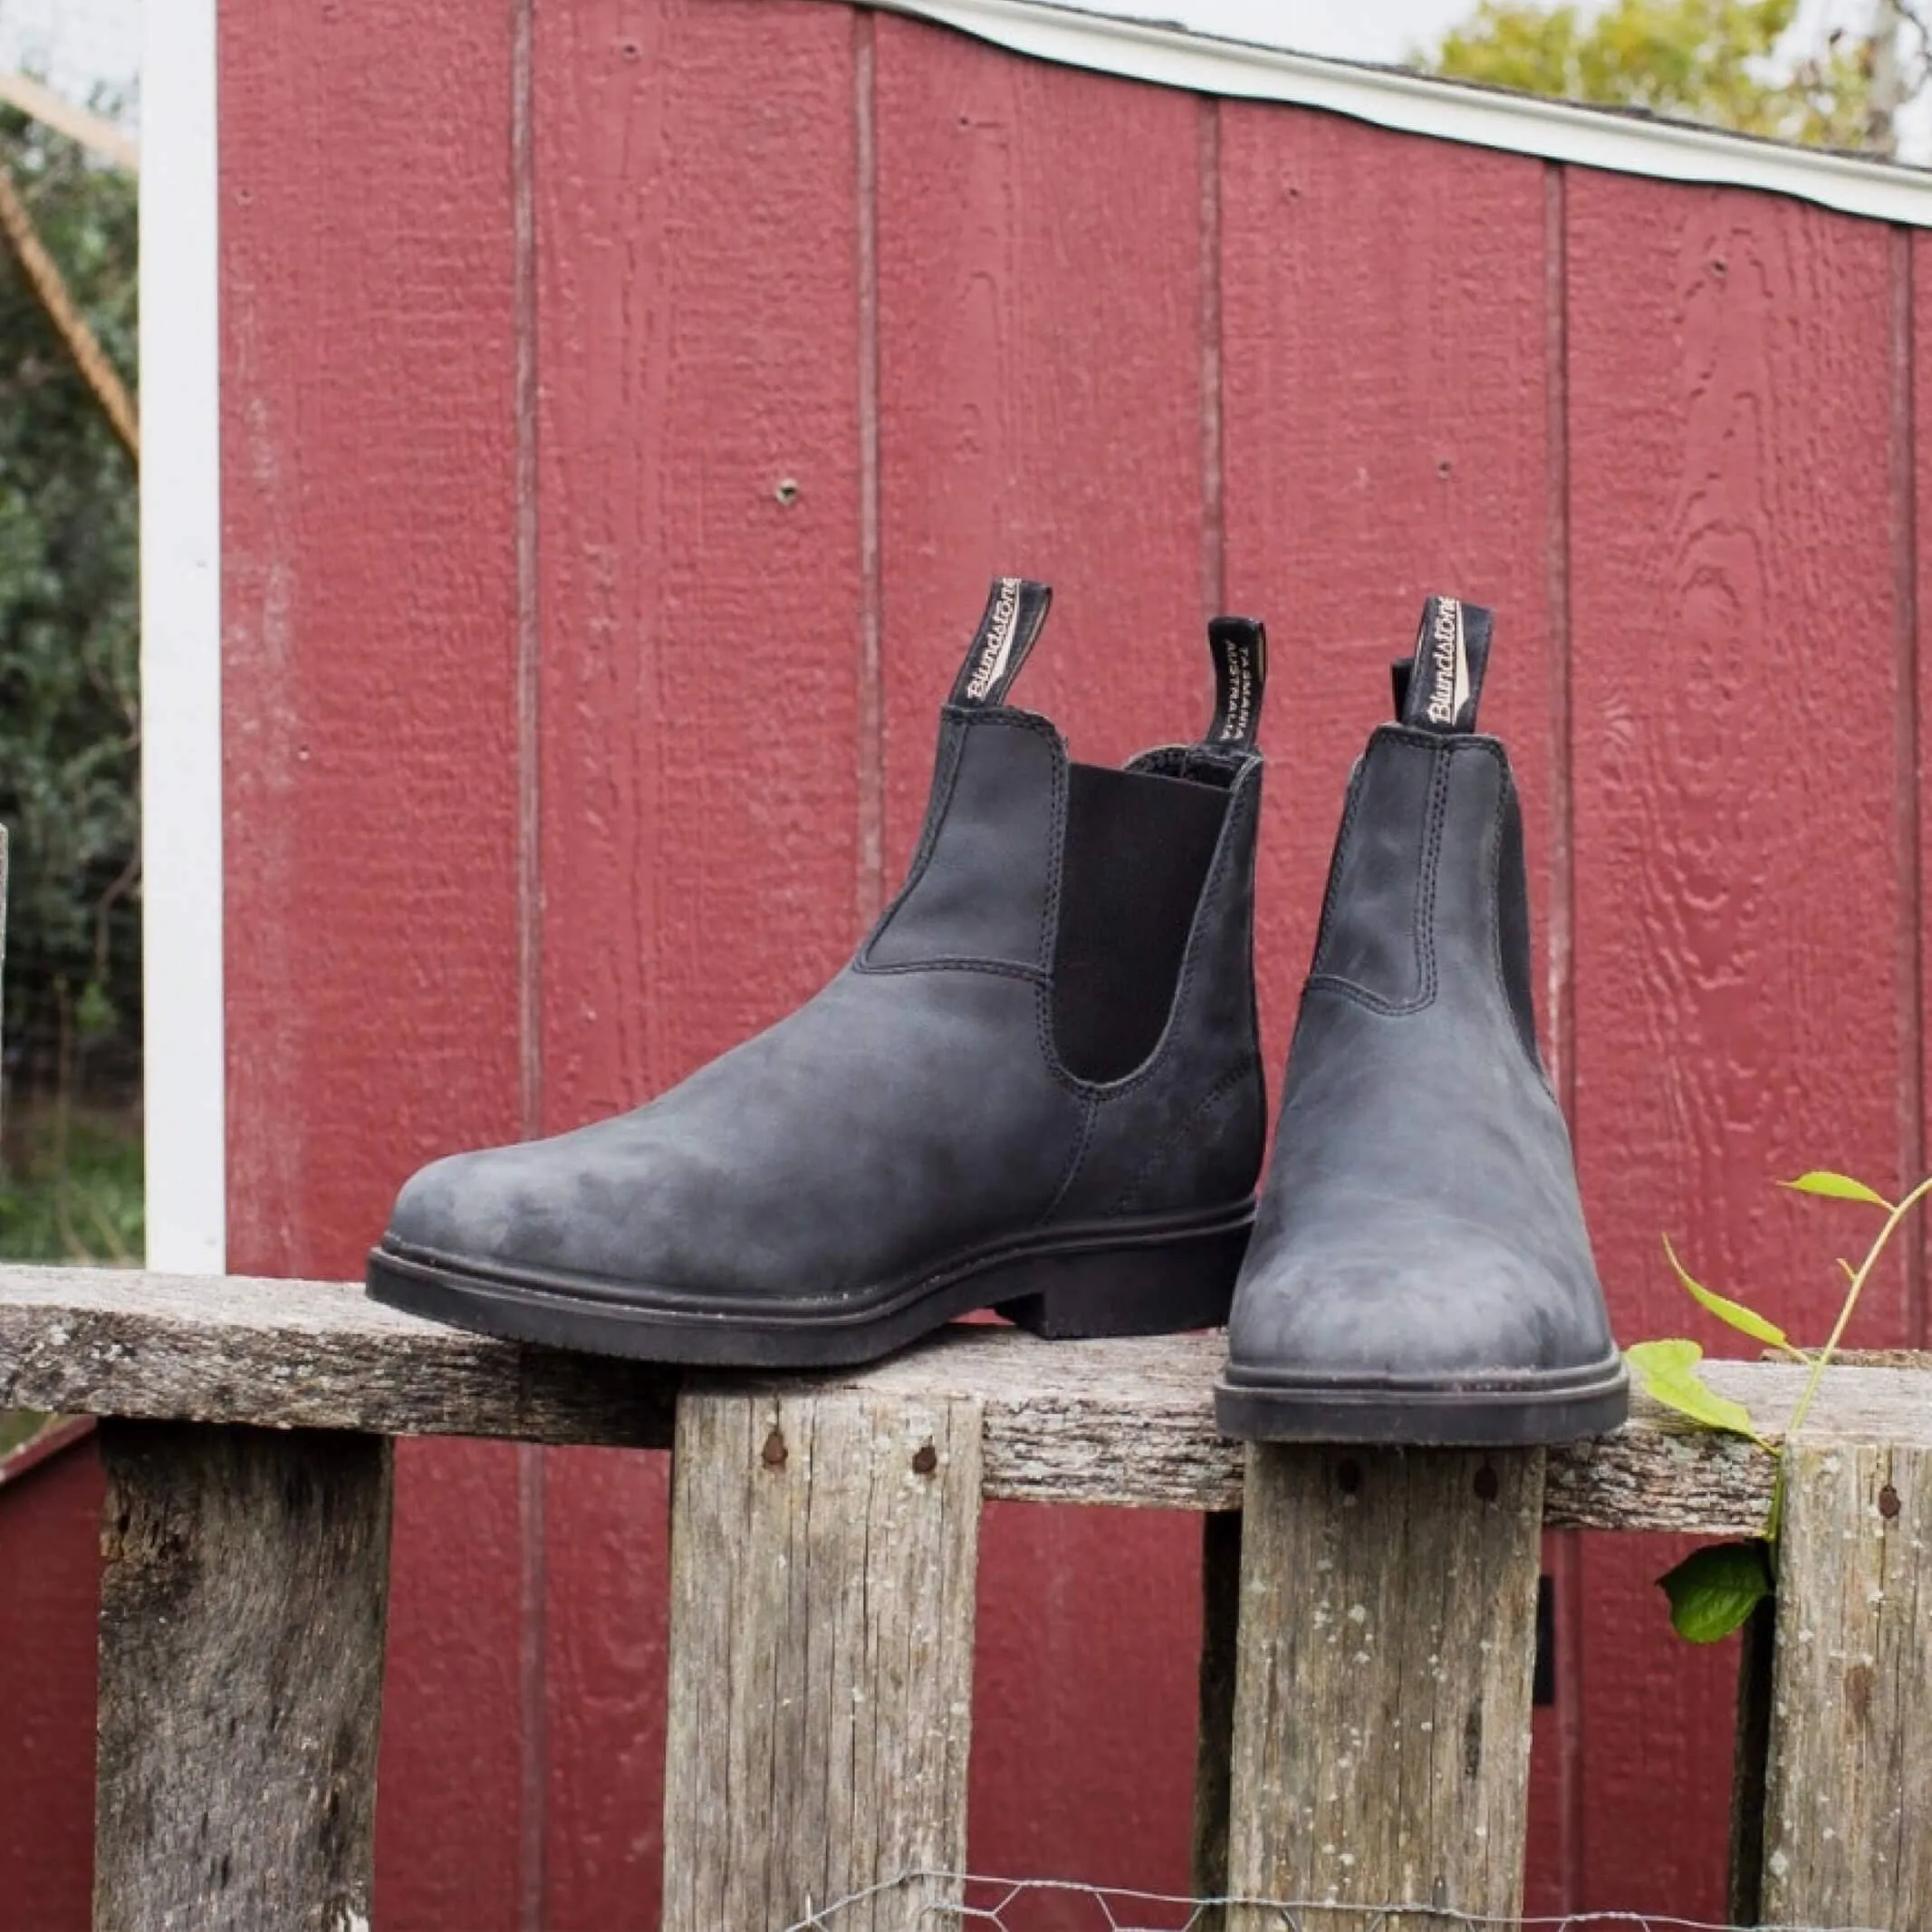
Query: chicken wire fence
[{"x": 1060, "y": 1905}]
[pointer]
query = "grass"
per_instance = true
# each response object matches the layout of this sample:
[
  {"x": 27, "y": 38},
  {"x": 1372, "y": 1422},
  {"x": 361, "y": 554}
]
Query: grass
[
  {"x": 18, "y": 1426},
  {"x": 70, "y": 1188}
]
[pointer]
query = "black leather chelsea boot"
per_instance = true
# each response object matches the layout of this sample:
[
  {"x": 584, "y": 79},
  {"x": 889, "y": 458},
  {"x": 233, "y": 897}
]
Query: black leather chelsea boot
[
  {"x": 1419, "y": 1271},
  {"x": 1037, "y": 1087}
]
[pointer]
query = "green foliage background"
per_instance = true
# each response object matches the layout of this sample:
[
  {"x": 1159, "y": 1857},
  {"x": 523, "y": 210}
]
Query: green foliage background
[
  {"x": 1698, "y": 60},
  {"x": 70, "y": 1183}
]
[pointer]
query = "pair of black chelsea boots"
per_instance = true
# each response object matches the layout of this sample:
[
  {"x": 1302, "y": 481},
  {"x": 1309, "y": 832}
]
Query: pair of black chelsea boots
[{"x": 1038, "y": 1088}]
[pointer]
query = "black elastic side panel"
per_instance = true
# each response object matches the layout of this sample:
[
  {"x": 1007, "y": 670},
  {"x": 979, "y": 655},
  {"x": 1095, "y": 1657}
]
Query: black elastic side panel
[{"x": 1138, "y": 849}]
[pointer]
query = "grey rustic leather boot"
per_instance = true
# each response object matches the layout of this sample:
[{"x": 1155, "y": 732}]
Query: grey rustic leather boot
[
  {"x": 1037, "y": 1087},
  {"x": 1419, "y": 1271}
]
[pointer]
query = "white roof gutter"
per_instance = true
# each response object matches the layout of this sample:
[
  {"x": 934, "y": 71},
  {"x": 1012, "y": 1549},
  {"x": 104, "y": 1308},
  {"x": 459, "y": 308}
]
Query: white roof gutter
[{"x": 1556, "y": 131}]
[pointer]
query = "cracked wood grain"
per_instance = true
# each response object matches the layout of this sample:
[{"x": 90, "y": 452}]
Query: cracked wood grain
[
  {"x": 1382, "y": 1687},
  {"x": 245, "y": 1594},
  {"x": 824, "y": 1553}
]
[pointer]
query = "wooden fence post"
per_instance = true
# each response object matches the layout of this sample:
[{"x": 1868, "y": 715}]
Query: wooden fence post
[
  {"x": 1848, "y": 1779},
  {"x": 824, "y": 1551},
  {"x": 1382, "y": 1709},
  {"x": 243, "y": 1602}
]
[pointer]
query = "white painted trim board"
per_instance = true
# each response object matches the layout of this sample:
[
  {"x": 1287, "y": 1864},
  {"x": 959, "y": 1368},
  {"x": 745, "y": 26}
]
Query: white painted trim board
[
  {"x": 1557, "y": 130},
  {"x": 180, "y": 521}
]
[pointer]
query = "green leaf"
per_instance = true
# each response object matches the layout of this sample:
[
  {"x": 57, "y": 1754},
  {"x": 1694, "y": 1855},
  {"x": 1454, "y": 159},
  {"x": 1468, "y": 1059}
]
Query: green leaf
[
  {"x": 1836, "y": 1187},
  {"x": 1715, "y": 1589},
  {"x": 1735, "y": 1314},
  {"x": 1669, "y": 1370}
]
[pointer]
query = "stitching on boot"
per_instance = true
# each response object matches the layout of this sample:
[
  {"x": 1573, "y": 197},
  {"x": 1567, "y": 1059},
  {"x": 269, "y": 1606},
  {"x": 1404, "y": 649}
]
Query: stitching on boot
[
  {"x": 1351, "y": 805},
  {"x": 953, "y": 747},
  {"x": 1127, "y": 1198},
  {"x": 1425, "y": 899},
  {"x": 1055, "y": 867},
  {"x": 1527, "y": 1041},
  {"x": 1089, "y": 1112},
  {"x": 1424, "y": 919},
  {"x": 957, "y": 722},
  {"x": 1004, "y": 968}
]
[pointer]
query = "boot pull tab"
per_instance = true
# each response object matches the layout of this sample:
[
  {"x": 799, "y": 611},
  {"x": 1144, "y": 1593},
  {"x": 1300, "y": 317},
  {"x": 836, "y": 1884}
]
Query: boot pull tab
[
  {"x": 1440, "y": 688},
  {"x": 1015, "y": 609},
  {"x": 1239, "y": 646}
]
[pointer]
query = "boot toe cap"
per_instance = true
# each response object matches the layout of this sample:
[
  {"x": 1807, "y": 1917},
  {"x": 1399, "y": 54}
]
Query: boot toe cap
[
  {"x": 1458, "y": 1314},
  {"x": 471, "y": 1205}
]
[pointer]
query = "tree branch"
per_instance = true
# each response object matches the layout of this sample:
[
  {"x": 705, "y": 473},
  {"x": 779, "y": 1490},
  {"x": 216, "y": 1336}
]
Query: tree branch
[
  {"x": 49, "y": 289},
  {"x": 77, "y": 124}
]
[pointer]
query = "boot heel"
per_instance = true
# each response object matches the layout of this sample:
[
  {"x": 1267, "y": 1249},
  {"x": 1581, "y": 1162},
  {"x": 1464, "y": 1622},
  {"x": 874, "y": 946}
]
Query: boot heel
[{"x": 1164, "y": 1288}]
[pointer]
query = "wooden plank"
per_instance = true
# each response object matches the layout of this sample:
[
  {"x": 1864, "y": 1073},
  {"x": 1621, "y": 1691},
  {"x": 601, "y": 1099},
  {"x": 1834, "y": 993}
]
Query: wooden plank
[
  {"x": 823, "y": 1580},
  {"x": 376, "y": 944},
  {"x": 243, "y": 1600},
  {"x": 700, "y": 585},
  {"x": 1742, "y": 1000},
  {"x": 1128, "y": 1423},
  {"x": 287, "y": 1354},
  {"x": 1382, "y": 1702},
  {"x": 1848, "y": 1782}
]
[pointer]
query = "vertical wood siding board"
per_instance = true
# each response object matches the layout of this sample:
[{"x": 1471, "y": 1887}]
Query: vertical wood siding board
[
  {"x": 701, "y": 687},
  {"x": 871, "y": 748},
  {"x": 369, "y": 602},
  {"x": 1041, "y": 354},
  {"x": 1909, "y": 972},
  {"x": 1918, "y": 484},
  {"x": 1213, "y": 544},
  {"x": 370, "y": 593},
  {"x": 533, "y": 1518},
  {"x": 1040, "y": 390},
  {"x": 1385, "y": 341},
  {"x": 1557, "y": 1765},
  {"x": 1735, "y": 861},
  {"x": 50, "y": 1542}
]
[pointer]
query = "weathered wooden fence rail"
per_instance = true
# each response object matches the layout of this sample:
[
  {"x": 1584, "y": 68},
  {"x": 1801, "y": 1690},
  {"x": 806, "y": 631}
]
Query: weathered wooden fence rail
[{"x": 1369, "y": 1626}]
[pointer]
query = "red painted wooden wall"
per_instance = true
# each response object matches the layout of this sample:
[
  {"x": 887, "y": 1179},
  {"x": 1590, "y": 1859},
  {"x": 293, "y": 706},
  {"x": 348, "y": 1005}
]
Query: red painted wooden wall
[{"x": 625, "y": 404}]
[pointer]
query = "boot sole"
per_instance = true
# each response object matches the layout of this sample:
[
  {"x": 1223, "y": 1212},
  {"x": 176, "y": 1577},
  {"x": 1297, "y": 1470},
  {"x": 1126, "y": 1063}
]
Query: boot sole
[
  {"x": 1568, "y": 1405},
  {"x": 1153, "y": 1277}
]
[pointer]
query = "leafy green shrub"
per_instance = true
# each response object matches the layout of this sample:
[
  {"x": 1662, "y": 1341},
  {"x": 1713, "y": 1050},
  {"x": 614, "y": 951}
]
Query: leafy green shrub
[{"x": 68, "y": 639}]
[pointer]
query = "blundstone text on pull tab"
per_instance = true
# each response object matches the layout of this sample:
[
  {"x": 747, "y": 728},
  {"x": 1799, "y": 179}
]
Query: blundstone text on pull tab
[
  {"x": 1440, "y": 688},
  {"x": 1016, "y": 607},
  {"x": 1448, "y": 664},
  {"x": 1001, "y": 621}
]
